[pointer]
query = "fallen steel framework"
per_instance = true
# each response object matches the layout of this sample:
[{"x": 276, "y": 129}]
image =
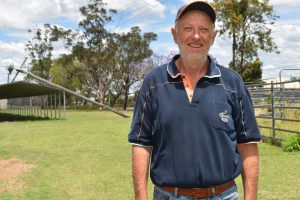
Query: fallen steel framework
[{"x": 58, "y": 87}]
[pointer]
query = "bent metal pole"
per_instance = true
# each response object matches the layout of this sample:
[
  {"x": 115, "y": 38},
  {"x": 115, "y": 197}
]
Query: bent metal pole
[{"x": 72, "y": 93}]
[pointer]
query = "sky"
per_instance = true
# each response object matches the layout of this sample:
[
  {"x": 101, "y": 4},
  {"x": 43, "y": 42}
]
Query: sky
[{"x": 17, "y": 16}]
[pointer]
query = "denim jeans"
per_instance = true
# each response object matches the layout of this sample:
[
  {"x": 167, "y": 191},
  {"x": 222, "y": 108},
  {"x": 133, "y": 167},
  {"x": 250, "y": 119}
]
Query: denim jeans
[{"x": 230, "y": 194}]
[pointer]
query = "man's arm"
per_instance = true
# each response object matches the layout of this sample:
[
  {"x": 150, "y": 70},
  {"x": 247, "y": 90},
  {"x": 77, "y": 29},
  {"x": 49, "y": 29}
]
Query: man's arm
[
  {"x": 250, "y": 173},
  {"x": 140, "y": 168}
]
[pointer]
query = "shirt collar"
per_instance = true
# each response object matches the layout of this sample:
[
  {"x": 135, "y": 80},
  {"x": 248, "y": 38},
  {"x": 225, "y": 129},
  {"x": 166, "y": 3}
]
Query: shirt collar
[{"x": 212, "y": 72}]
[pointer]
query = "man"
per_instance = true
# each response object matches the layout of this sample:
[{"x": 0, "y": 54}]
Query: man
[{"x": 195, "y": 119}]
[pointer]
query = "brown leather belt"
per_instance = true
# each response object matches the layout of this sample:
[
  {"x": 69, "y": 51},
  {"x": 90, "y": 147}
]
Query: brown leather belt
[{"x": 199, "y": 192}]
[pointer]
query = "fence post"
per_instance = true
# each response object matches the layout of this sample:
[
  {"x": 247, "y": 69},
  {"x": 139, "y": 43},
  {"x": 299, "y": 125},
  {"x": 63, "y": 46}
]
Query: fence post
[
  {"x": 273, "y": 111},
  {"x": 64, "y": 104}
]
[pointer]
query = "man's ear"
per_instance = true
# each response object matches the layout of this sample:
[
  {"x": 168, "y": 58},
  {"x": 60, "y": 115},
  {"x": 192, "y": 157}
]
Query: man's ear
[
  {"x": 214, "y": 36},
  {"x": 173, "y": 30}
]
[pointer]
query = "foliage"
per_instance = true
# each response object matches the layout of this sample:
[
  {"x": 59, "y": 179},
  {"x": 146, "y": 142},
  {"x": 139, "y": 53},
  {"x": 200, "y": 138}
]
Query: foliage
[
  {"x": 64, "y": 72},
  {"x": 102, "y": 64},
  {"x": 93, "y": 50},
  {"x": 292, "y": 143},
  {"x": 109, "y": 61},
  {"x": 247, "y": 23},
  {"x": 40, "y": 47},
  {"x": 252, "y": 71},
  {"x": 40, "y": 50},
  {"x": 132, "y": 49}
]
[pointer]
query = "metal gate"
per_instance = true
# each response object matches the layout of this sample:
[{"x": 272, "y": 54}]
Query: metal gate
[{"x": 277, "y": 108}]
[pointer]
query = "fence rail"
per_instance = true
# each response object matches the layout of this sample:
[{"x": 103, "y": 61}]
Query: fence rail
[{"x": 277, "y": 106}]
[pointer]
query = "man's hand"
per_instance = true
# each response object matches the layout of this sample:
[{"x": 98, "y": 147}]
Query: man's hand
[
  {"x": 140, "y": 168},
  {"x": 250, "y": 173}
]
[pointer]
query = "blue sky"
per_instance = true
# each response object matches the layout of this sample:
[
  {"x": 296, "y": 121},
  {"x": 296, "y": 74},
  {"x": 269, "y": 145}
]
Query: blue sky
[{"x": 17, "y": 16}]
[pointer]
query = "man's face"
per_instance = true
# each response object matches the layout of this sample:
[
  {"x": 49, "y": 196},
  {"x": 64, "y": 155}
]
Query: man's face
[{"x": 194, "y": 33}]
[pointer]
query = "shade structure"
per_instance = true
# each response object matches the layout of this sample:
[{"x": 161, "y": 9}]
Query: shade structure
[{"x": 24, "y": 89}]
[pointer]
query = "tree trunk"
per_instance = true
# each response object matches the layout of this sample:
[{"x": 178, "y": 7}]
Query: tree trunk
[
  {"x": 126, "y": 92},
  {"x": 233, "y": 49},
  {"x": 242, "y": 49},
  {"x": 101, "y": 94}
]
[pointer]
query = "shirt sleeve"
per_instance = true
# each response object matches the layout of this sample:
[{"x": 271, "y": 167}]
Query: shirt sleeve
[
  {"x": 141, "y": 126},
  {"x": 245, "y": 121}
]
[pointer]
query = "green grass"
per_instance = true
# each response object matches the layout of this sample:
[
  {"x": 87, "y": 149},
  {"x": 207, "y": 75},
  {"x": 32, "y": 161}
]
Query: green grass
[{"x": 87, "y": 157}]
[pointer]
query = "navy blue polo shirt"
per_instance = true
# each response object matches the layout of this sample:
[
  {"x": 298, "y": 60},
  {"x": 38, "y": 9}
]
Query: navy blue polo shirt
[{"x": 193, "y": 142}]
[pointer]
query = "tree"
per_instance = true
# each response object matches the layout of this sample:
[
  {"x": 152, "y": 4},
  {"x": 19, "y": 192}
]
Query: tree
[
  {"x": 93, "y": 50},
  {"x": 145, "y": 66},
  {"x": 101, "y": 63},
  {"x": 40, "y": 50},
  {"x": 133, "y": 49},
  {"x": 252, "y": 72},
  {"x": 64, "y": 72},
  {"x": 246, "y": 22},
  {"x": 40, "y": 47}
]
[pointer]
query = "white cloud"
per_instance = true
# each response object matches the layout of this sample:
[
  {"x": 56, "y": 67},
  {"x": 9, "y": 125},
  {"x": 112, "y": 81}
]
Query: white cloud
[
  {"x": 164, "y": 30},
  {"x": 9, "y": 49},
  {"x": 138, "y": 8},
  {"x": 221, "y": 50},
  {"x": 15, "y": 14},
  {"x": 11, "y": 53},
  {"x": 286, "y": 34},
  {"x": 164, "y": 48},
  {"x": 285, "y": 3},
  {"x": 134, "y": 13}
]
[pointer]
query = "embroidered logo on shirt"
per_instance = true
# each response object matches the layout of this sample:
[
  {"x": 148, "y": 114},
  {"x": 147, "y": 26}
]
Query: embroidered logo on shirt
[{"x": 224, "y": 116}]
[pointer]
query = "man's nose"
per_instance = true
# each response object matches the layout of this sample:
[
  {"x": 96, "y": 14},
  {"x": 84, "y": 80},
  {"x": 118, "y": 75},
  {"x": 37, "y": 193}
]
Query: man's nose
[{"x": 196, "y": 34}]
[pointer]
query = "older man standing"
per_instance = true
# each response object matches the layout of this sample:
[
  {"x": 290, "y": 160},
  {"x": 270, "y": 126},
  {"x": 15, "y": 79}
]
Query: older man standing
[{"x": 195, "y": 119}]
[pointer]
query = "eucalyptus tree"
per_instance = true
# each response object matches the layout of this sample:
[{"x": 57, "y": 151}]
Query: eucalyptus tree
[
  {"x": 133, "y": 48},
  {"x": 248, "y": 23},
  {"x": 40, "y": 47},
  {"x": 93, "y": 49},
  {"x": 100, "y": 62}
]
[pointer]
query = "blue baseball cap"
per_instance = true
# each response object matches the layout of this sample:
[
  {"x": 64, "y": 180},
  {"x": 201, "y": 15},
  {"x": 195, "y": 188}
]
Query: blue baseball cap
[{"x": 197, "y": 5}]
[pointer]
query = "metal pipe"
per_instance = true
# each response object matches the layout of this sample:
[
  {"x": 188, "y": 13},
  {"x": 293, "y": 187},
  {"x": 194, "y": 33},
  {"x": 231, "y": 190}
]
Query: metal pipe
[
  {"x": 64, "y": 104},
  {"x": 273, "y": 112},
  {"x": 20, "y": 68},
  {"x": 290, "y": 69}
]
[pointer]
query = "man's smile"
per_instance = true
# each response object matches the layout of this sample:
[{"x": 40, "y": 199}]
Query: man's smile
[{"x": 195, "y": 45}]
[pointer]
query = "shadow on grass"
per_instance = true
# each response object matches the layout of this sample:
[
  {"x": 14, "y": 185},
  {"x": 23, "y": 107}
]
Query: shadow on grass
[{"x": 5, "y": 117}]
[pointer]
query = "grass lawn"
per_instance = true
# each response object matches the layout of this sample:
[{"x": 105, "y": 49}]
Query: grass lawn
[{"x": 87, "y": 157}]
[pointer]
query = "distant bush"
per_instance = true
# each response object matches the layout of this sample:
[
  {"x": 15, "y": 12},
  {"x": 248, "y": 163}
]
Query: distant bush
[
  {"x": 272, "y": 141},
  {"x": 292, "y": 143}
]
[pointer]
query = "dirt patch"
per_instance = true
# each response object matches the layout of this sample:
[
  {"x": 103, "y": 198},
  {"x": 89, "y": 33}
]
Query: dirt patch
[{"x": 10, "y": 171}]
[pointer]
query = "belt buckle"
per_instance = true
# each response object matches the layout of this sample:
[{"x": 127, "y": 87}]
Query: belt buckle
[
  {"x": 213, "y": 191},
  {"x": 176, "y": 191},
  {"x": 194, "y": 193}
]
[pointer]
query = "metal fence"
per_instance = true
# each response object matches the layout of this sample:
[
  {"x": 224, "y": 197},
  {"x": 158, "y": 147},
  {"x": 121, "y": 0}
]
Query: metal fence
[
  {"x": 45, "y": 106},
  {"x": 277, "y": 107}
]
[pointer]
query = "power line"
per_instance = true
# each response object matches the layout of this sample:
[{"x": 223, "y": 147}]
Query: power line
[
  {"x": 134, "y": 3},
  {"x": 141, "y": 11}
]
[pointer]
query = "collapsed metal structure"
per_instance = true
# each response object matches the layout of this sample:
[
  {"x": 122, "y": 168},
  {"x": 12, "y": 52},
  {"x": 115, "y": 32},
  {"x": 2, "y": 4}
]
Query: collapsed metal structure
[
  {"x": 30, "y": 99},
  {"x": 36, "y": 102}
]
